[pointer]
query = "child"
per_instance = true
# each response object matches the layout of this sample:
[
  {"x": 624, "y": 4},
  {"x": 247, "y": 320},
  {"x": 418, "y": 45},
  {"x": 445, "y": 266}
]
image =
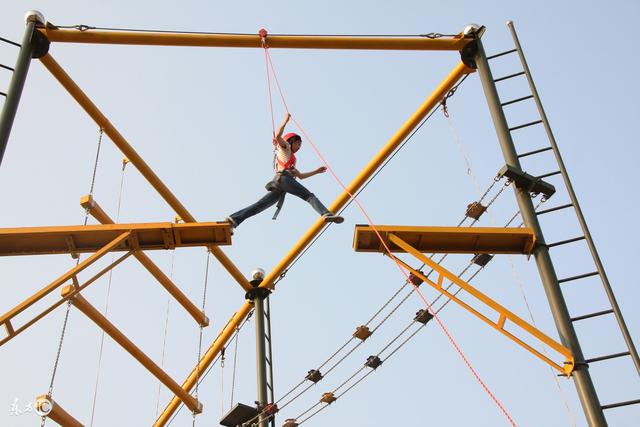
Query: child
[{"x": 285, "y": 182}]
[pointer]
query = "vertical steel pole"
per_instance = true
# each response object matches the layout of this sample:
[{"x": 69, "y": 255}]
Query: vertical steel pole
[
  {"x": 258, "y": 295},
  {"x": 582, "y": 379},
  {"x": 15, "y": 86}
]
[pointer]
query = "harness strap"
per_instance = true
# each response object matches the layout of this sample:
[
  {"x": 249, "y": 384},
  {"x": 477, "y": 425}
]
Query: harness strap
[{"x": 279, "y": 205}]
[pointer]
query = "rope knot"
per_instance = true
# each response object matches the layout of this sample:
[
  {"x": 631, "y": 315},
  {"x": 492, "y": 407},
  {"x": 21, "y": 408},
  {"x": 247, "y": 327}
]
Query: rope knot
[{"x": 263, "y": 38}]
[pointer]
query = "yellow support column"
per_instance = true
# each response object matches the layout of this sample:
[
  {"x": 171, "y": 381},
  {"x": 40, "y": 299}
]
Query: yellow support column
[{"x": 84, "y": 306}]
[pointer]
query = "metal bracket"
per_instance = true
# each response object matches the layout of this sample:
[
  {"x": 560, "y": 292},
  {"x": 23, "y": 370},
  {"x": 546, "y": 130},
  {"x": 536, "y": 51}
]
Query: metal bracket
[
  {"x": 423, "y": 316},
  {"x": 314, "y": 375},
  {"x": 40, "y": 44},
  {"x": 527, "y": 182},
  {"x": 373, "y": 362},
  {"x": 257, "y": 291}
]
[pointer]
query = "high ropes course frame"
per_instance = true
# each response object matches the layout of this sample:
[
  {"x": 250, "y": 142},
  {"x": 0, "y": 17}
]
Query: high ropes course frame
[{"x": 133, "y": 239}]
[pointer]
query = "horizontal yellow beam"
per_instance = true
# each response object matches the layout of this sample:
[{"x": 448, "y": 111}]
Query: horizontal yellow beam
[
  {"x": 110, "y": 130},
  {"x": 503, "y": 314},
  {"x": 461, "y": 240},
  {"x": 99, "y": 214},
  {"x": 92, "y": 313},
  {"x": 55, "y": 412},
  {"x": 89, "y": 238},
  {"x": 455, "y": 43}
]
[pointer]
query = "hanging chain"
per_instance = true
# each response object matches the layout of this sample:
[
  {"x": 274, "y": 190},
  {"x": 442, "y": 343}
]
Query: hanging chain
[
  {"x": 66, "y": 315},
  {"x": 204, "y": 301},
  {"x": 95, "y": 166}
]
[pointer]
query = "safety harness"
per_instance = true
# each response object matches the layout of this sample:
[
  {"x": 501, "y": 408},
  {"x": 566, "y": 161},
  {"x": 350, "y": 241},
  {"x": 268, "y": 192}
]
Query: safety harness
[{"x": 281, "y": 169}]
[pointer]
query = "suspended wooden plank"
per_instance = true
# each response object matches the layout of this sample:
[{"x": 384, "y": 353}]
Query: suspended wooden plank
[
  {"x": 462, "y": 240},
  {"x": 90, "y": 238}
]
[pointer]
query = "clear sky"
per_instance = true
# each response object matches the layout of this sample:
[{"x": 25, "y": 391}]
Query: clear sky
[{"x": 200, "y": 118}]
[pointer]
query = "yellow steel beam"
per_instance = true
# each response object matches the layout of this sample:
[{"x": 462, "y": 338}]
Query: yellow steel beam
[
  {"x": 88, "y": 238},
  {"x": 92, "y": 313},
  {"x": 206, "y": 361},
  {"x": 55, "y": 412},
  {"x": 455, "y": 43},
  {"x": 96, "y": 211},
  {"x": 62, "y": 279},
  {"x": 413, "y": 121},
  {"x": 101, "y": 120},
  {"x": 461, "y": 240},
  {"x": 12, "y": 333},
  {"x": 503, "y": 314}
]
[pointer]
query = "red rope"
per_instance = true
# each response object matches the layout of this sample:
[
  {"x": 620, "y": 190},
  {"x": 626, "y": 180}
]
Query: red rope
[
  {"x": 263, "y": 38},
  {"x": 389, "y": 253}
]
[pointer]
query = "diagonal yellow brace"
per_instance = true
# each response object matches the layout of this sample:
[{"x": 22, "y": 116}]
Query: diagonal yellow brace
[
  {"x": 396, "y": 139},
  {"x": 66, "y": 276},
  {"x": 96, "y": 211},
  {"x": 504, "y": 314},
  {"x": 207, "y": 359},
  {"x": 92, "y": 313},
  {"x": 109, "y": 129},
  {"x": 450, "y": 80},
  {"x": 76, "y": 288}
]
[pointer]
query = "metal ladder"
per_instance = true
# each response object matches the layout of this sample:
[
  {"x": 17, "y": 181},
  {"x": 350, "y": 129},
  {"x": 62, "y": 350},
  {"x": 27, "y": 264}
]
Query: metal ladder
[
  {"x": 3, "y": 91},
  {"x": 585, "y": 236},
  {"x": 269, "y": 356}
]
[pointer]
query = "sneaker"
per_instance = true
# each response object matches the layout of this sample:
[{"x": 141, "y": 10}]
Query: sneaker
[
  {"x": 329, "y": 217},
  {"x": 232, "y": 224}
]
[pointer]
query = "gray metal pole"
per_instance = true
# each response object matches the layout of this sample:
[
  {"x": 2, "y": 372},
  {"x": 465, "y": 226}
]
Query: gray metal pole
[
  {"x": 15, "y": 87},
  {"x": 259, "y": 294},
  {"x": 574, "y": 200},
  {"x": 582, "y": 379}
]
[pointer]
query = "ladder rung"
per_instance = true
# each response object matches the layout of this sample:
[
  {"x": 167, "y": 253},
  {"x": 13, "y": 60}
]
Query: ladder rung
[
  {"x": 525, "y": 125},
  {"x": 557, "y": 208},
  {"x": 530, "y": 153},
  {"x": 6, "y": 68},
  {"x": 10, "y": 42},
  {"x": 510, "y": 76},
  {"x": 590, "y": 315},
  {"x": 616, "y": 405},
  {"x": 267, "y": 337},
  {"x": 513, "y": 101},
  {"x": 549, "y": 174},
  {"x": 581, "y": 276},
  {"x": 607, "y": 357},
  {"x": 564, "y": 242},
  {"x": 501, "y": 54},
  {"x": 3, "y": 94},
  {"x": 267, "y": 360}
]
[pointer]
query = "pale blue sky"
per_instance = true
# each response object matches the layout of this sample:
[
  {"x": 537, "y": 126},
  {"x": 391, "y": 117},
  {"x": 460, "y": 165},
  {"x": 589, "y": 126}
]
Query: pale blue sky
[{"x": 200, "y": 118}]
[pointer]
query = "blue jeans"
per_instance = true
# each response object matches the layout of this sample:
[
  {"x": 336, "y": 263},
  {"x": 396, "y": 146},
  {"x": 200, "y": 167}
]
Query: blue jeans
[{"x": 287, "y": 184}]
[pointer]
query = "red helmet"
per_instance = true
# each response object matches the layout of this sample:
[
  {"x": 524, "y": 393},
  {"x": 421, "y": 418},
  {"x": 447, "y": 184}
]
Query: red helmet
[{"x": 291, "y": 135}]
